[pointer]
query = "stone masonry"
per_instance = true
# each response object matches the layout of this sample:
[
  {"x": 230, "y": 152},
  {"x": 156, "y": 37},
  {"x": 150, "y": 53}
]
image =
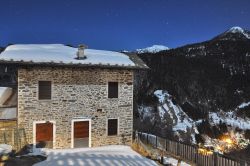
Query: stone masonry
[{"x": 76, "y": 93}]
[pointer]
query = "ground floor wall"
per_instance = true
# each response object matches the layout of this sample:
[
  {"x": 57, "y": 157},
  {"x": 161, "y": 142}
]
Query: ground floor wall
[{"x": 97, "y": 133}]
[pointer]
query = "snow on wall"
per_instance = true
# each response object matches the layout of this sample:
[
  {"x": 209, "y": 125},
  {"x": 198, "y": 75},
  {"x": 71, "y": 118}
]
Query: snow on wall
[
  {"x": 5, "y": 93},
  {"x": 8, "y": 113},
  {"x": 59, "y": 53}
]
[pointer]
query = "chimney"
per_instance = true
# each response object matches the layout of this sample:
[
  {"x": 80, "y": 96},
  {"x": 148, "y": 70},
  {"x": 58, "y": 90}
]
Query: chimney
[{"x": 80, "y": 52}]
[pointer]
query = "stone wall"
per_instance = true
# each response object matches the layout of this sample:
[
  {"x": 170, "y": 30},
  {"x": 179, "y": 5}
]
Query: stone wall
[{"x": 76, "y": 93}]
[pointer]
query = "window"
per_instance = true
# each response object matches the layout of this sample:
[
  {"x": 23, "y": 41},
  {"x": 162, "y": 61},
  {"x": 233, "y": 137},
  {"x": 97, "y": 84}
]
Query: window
[
  {"x": 112, "y": 127},
  {"x": 113, "y": 90},
  {"x": 44, "y": 91}
]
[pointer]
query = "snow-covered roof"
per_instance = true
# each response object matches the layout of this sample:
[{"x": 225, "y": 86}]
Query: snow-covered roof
[
  {"x": 8, "y": 113},
  {"x": 66, "y": 55},
  {"x": 5, "y": 93}
]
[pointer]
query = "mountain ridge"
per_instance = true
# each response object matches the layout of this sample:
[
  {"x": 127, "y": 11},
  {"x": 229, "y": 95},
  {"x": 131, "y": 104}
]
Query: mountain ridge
[
  {"x": 209, "y": 80},
  {"x": 152, "y": 49}
]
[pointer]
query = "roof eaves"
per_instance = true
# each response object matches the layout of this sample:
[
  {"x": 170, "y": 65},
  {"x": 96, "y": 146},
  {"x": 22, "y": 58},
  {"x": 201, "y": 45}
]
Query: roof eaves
[
  {"x": 90, "y": 65},
  {"x": 137, "y": 61}
]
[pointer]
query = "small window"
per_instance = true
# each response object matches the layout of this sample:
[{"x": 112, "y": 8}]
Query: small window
[
  {"x": 113, "y": 90},
  {"x": 112, "y": 127},
  {"x": 44, "y": 91}
]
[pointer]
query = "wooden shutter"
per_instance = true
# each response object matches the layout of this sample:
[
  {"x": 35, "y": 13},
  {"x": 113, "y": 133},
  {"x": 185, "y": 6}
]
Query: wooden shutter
[
  {"x": 44, "y": 132},
  {"x": 113, "y": 90},
  {"x": 81, "y": 129},
  {"x": 44, "y": 90},
  {"x": 112, "y": 127}
]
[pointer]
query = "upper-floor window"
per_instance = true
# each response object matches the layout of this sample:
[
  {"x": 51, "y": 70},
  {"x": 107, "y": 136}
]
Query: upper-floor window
[
  {"x": 113, "y": 90},
  {"x": 44, "y": 90}
]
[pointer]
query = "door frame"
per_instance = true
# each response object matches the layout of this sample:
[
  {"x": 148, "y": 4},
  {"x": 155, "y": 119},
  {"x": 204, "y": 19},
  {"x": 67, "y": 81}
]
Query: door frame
[
  {"x": 72, "y": 130},
  {"x": 34, "y": 131}
]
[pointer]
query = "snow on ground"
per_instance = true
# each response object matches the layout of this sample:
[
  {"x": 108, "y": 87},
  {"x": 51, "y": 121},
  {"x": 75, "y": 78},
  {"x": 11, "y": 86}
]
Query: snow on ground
[
  {"x": 152, "y": 49},
  {"x": 161, "y": 95},
  {"x": 161, "y": 112},
  {"x": 173, "y": 161},
  {"x": 165, "y": 106},
  {"x": 230, "y": 119},
  {"x": 59, "y": 53},
  {"x": 181, "y": 121},
  {"x": 145, "y": 112},
  {"x": 37, "y": 152},
  {"x": 167, "y": 110},
  {"x": 113, "y": 155},
  {"x": 5, "y": 149},
  {"x": 243, "y": 105}
]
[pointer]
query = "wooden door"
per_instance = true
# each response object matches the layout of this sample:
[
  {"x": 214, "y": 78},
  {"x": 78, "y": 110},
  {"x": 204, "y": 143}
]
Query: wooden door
[
  {"x": 44, "y": 133},
  {"x": 81, "y": 129}
]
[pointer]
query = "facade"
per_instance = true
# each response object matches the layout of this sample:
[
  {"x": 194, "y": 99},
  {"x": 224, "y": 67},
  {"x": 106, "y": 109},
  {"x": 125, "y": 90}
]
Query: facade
[
  {"x": 76, "y": 95},
  {"x": 75, "y": 105}
]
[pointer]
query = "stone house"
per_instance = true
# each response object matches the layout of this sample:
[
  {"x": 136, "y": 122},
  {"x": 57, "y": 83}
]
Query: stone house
[{"x": 73, "y": 97}]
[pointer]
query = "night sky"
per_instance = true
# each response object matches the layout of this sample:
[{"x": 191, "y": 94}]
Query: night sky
[{"x": 119, "y": 24}]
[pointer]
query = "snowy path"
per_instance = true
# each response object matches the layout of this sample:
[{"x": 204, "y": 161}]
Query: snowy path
[{"x": 114, "y": 155}]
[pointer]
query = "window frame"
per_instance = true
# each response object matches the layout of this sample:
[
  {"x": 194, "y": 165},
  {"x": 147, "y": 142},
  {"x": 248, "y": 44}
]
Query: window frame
[
  {"x": 38, "y": 90},
  {"x": 117, "y": 133},
  {"x": 109, "y": 88}
]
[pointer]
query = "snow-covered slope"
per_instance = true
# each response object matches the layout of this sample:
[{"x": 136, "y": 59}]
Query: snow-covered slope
[
  {"x": 230, "y": 119},
  {"x": 237, "y": 29},
  {"x": 234, "y": 34},
  {"x": 152, "y": 49},
  {"x": 180, "y": 119},
  {"x": 171, "y": 114}
]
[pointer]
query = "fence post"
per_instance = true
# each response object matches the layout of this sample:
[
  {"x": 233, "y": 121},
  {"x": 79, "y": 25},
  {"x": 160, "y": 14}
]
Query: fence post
[
  {"x": 12, "y": 137},
  {"x": 178, "y": 149},
  {"x": 165, "y": 145},
  {"x": 4, "y": 137},
  {"x": 156, "y": 142},
  {"x": 215, "y": 158},
  {"x": 147, "y": 138},
  {"x": 166, "y": 142},
  {"x": 196, "y": 155}
]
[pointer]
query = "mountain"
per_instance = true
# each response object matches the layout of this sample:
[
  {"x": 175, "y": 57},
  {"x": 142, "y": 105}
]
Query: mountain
[
  {"x": 205, "y": 84},
  {"x": 152, "y": 49},
  {"x": 235, "y": 33}
]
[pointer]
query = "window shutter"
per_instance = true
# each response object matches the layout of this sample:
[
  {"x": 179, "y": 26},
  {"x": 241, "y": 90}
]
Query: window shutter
[
  {"x": 113, "y": 90},
  {"x": 112, "y": 127},
  {"x": 44, "y": 90}
]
